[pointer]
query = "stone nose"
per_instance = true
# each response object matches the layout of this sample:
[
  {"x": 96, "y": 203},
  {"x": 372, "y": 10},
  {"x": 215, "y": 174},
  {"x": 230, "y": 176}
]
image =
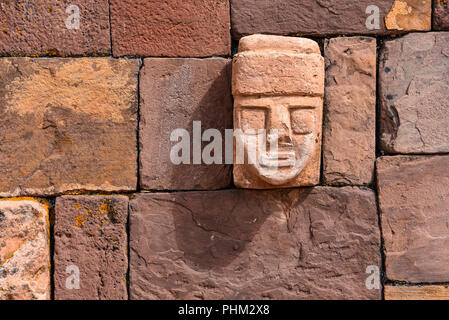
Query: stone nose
[{"x": 279, "y": 120}]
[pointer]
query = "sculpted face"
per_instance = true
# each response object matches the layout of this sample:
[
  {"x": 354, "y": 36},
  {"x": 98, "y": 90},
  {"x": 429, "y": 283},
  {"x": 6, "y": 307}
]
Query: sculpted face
[
  {"x": 278, "y": 85},
  {"x": 289, "y": 121}
]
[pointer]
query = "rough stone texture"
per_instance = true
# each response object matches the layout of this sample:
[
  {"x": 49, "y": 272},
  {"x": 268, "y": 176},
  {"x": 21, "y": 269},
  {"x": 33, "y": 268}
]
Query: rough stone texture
[
  {"x": 326, "y": 17},
  {"x": 414, "y": 94},
  {"x": 278, "y": 84},
  {"x": 349, "y": 145},
  {"x": 414, "y": 205},
  {"x": 24, "y": 250},
  {"x": 409, "y": 15},
  {"x": 67, "y": 124},
  {"x": 171, "y": 28},
  {"x": 90, "y": 233},
  {"x": 174, "y": 93},
  {"x": 246, "y": 244},
  {"x": 39, "y": 28},
  {"x": 416, "y": 293},
  {"x": 440, "y": 15}
]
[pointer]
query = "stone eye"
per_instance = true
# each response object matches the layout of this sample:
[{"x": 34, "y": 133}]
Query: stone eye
[
  {"x": 252, "y": 120},
  {"x": 302, "y": 120}
]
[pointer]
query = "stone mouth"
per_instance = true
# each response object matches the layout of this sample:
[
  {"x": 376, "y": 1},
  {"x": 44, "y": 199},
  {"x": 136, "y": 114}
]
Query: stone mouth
[{"x": 283, "y": 159}]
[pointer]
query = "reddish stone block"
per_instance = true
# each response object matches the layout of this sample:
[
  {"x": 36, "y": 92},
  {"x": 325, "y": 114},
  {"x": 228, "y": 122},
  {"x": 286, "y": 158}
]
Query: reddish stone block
[
  {"x": 241, "y": 244},
  {"x": 91, "y": 247},
  {"x": 414, "y": 94},
  {"x": 67, "y": 125},
  {"x": 39, "y": 28},
  {"x": 174, "y": 94},
  {"x": 328, "y": 17},
  {"x": 414, "y": 204},
  {"x": 349, "y": 145},
  {"x": 171, "y": 28}
]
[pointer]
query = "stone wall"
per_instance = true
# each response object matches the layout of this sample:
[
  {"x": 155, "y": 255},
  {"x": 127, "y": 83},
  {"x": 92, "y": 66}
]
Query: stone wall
[{"x": 93, "y": 207}]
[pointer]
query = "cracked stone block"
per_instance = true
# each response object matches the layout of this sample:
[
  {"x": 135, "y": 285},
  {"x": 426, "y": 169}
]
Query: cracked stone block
[
  {"x": 50, "y": 27},
  {"x": 417, "y": 292},
  {"x": 349, "y": 147},
  {"x": 175, "y": 93},
  {"x": 414, "y": 94},
  {"x": 440, "y": 14},
  {"x": 246, "y": 244},
  {"x": 328, "y": 17},
  {"x": 24, "y": 250},
  {"x": 170, "y": 28},
  {"x": 90, "y": 257},
  {"x": 414, "y": 206},
  {"x": 67, "y": 124}
]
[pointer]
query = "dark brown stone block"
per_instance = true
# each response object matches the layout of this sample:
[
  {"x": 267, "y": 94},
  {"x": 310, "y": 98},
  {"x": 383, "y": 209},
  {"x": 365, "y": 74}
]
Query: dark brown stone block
[
  {"x": 39, "y": 28},
  {"x": 90, "y": 234},
  {"x": 240, "y": 244},
  {"x": 440, "y": 15},
  {"x": 414, "y": 204}
]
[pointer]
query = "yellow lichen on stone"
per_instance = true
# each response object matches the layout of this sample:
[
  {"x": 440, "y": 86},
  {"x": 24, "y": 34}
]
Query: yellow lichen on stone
[{"x": 80, "y": 220}]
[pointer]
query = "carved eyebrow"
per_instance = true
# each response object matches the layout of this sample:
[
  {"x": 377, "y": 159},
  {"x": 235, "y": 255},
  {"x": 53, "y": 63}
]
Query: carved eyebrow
[
  {"x": 252, "y": 107},
  {"x": 302, "y": 107}
]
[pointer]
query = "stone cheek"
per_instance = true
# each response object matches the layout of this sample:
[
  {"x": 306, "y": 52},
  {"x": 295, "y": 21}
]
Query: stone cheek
[
  {"x": 91, "y": 245},
  {"x": 24, "y": 250},
  {"x": 39, "y": 28},
  {"x": 414, "y": 205},
  {"x": 241, "y": 244},
  {"x": 414, "y": 90},
  {"x": 350, "y": 113},
  {"x": 67, "y": 124},
  {"x": 288, "y": 101}
]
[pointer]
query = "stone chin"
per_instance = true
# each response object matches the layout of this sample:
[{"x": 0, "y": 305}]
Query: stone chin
[{"x": 284, "y": 166}]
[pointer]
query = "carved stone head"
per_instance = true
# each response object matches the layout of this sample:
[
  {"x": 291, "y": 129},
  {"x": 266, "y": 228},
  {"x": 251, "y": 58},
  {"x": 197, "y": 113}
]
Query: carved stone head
[{"x": 278, "y": 87}]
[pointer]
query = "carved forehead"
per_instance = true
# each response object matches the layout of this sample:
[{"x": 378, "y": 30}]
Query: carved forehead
[
  {"x": 260, "y": 42},
  {"x": 278, "y": 102}
]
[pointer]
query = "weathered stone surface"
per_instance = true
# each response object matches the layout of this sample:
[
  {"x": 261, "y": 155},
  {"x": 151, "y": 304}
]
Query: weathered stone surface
[
  {"x": 67, "y": 124},
  {"x": 246, "y": 244},
  {"x": 409, "y": 15},
  {"x": 90, "y": 234},
  {"x": 414, "y": 94},
  {"x": 416, "y": 293},
  {"x": 440, "y": 15},
  {"x": 414, "y": 204},
  {"x": 24, "y": 250},
  {"x": 326, "y": 17},
  {"x": 350, "y": 111},
  {"x": 39, "y": 28},
  {"x": 174, "y": 94},
  {"x": 170, "y": 28},
  {"x": 278, "y": 84}
]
